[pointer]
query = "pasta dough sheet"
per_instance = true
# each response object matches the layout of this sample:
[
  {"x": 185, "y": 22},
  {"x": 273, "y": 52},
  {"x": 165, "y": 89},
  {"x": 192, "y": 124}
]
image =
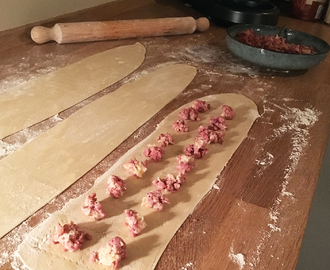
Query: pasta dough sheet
[
  {"x": 38, "y": 99},
  {"x": 144, "y": 250},
  {"x": 37, "y": 172}
]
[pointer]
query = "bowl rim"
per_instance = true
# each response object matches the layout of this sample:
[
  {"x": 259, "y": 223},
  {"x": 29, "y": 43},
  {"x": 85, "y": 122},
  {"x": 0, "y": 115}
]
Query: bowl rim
[{"x": 252, "y": 26}]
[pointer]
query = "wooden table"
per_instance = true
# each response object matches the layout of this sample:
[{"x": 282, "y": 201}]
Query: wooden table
[{"x": 259, "y": 213}]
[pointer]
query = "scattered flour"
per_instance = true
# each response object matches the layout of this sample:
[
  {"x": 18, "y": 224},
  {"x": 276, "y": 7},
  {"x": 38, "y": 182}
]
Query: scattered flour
[
  {"x": 7, "y": 249},
  {"x": 188, "y": 266},
  {"x": 237, "y": 258},
  {"x": 213, "y": 55},
  {"x": 297, "y": 123},
  {"x": 24, "y": 136},
  {"x": 6, "y": 148}
]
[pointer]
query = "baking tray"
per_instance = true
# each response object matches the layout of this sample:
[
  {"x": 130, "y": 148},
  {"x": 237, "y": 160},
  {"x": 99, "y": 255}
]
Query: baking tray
[{"x": 230, "y": 12}]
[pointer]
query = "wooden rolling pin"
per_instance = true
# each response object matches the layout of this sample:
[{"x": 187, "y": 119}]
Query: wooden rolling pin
[{"x": 123, "y": 29}]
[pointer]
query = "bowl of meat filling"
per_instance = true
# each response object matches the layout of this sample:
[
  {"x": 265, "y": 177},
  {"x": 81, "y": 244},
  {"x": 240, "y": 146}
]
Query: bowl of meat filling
[{"x": 276, "y": 48}]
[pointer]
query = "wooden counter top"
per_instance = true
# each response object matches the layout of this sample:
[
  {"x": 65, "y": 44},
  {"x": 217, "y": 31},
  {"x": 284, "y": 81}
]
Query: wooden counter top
[{"x": 257, "y": 217}]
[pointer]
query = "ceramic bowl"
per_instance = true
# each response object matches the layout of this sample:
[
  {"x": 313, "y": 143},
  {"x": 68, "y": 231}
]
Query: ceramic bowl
[{"x": 277, "y": 60}]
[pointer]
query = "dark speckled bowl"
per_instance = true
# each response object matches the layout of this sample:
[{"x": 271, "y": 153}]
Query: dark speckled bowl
[{"x": 278, "y": 60}]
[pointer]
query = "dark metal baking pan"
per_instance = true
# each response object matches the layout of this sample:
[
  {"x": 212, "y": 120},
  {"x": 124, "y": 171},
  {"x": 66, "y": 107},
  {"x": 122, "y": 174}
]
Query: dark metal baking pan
[{"x": 229, "y": 12}]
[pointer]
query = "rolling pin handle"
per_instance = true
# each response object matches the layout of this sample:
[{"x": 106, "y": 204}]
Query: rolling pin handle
[
  {"x": 202, "y": 24},
  {"x": 41, "y": 34}
]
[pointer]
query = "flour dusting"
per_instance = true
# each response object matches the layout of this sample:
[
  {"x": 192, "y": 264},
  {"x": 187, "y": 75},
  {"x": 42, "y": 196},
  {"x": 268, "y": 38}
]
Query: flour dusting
[
  {"x": 237, "y": 258},
  {"x": 24, "y": 136},
  {"x": 7, "y": 250},
  {"x": 296, "y": 123},
  {"x": 188, "y": 266},
  {"x": 213, "y": 55}
]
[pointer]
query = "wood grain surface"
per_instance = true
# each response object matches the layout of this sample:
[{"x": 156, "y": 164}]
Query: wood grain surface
[{"x": 256, "y": 217}]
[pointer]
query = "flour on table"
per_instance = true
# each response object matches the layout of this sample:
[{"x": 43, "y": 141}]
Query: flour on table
[
  {"x": 24, "y": 136},
  {"x": 188, "y": 266},
  {"x": 237, "y": 258},
  {"x": 296, "y": 123}
]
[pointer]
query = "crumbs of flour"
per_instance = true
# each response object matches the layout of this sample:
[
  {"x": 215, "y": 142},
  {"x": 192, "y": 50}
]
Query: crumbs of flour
[
  {"x": 188, "y": 266},
  {"x": 214, "y": 55},
  {"x": 237, "y": 258},
  {"x": 24, "y": 136},
  {"x": 296, "y": 123},
  {"x": 7, "y": 249}
]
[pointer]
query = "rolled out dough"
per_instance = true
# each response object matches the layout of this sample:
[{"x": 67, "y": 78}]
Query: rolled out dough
[
  {"x": 38, "y": 99},
  {"x": 144, "y": 250},
  {"x": 37, "y": 172}
]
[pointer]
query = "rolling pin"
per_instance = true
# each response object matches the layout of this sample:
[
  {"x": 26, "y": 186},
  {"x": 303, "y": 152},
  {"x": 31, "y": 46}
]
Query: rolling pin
[{"x": 122, "y": 29}]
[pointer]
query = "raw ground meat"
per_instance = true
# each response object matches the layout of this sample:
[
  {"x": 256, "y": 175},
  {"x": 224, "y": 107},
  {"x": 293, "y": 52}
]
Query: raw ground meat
[
  {"x": 115, "y": 186},
  {"x": 135, "y": 222},
  {"x": 272, "y": 43},
  {"x": 200, "y": 106},
  {"x": 180, "y": 126},
  {"x": 135, "y": 167},
  {"x": 69, "y": 236},
  {"x": 211, "y": 136},
  {"x": 111, "y": 253},
  {"x": 189, "y": 114},
  {"x": 92, "y": 207},
  {"x": 169, "y": 183},
  {"x": 154, "y": 152},
  {"x": 165, "y": 139},
  {"x": 155, "y": 199},
  {"x": 198, "y": 149},
  {"x": 218, "y": 123},
  {"x": 227, "y": 112},
  {"x": 185, "y": 164}
]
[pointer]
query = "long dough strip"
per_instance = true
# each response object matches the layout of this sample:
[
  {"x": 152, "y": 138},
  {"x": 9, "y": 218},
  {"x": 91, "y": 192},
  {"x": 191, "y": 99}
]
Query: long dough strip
[
  {"x": 37, "y": 172},
  {"x": 144, "y": 250},
  {"x": 38, "y": 99}
]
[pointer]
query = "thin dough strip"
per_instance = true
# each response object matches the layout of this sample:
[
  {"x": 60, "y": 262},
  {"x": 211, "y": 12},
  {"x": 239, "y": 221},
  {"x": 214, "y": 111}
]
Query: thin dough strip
[
  {"x": 43, "y": 97},
  {"x": 37, "y": 172},
  {"x": 144, "y": 250}
]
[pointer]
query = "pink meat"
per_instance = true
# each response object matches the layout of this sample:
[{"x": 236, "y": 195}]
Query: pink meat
[
  {"x": 135, "y": 167},
  {"x": 180, "y": 126},
  {"x": 165, "y": 139},
  {"x": 189, "y": 151},
  {"x": 69, "y": 236},
  {"x": 227, "y": 112},
  {"x": 115, "y": 186},
  {"x": 169, "y": 183},
  {"x": 189, "y": 114},
  {"x": 272, "y": 43},
  {"x": 92, "y": 207},
  {"x": 200, "y": 106},
  {"x": 218, "y": 123},
  {"x": 154, "y": 152},
  {"x": 155, "y": 199},
  {"x": 210, "y": 136},
  {"x": 197, "y": 150},
  {"x": 111, "y": 253},
  {"x": 185, "y": 164},
  {"x": 135, "y": 222}
]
